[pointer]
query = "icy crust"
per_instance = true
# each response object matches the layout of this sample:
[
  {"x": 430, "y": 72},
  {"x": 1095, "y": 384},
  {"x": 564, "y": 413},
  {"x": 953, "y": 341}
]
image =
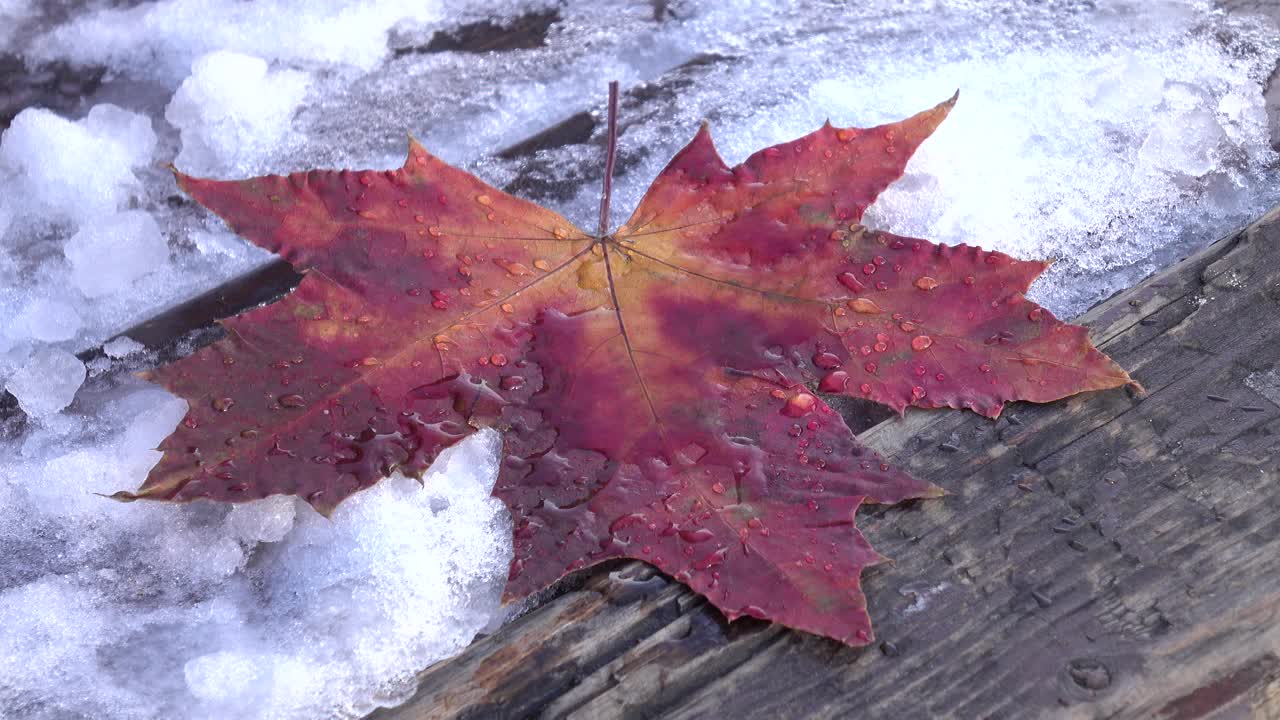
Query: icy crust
[
  {"x": 163, "y": 38},
  {"x": 264, "y": 610}
]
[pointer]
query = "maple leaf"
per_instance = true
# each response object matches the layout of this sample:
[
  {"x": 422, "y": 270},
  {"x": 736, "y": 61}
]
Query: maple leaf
[{"x": 652, "y": 384}]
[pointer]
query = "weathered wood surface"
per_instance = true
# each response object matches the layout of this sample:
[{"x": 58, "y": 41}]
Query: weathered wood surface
[{"x": 1109, "y": 555}]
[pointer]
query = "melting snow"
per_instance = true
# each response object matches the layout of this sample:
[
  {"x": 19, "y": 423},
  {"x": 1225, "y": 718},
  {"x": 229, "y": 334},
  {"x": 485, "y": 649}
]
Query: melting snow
[{"x": 1112, "y": 136}]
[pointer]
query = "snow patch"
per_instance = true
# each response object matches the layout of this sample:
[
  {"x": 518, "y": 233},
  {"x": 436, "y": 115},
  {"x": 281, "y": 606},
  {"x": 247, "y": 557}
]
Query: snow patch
[{"x": 260, "y": 610}]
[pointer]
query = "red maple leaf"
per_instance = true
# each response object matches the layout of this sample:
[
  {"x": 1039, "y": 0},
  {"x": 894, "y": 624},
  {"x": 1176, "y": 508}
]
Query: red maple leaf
[{"x": 652, "y": 384}]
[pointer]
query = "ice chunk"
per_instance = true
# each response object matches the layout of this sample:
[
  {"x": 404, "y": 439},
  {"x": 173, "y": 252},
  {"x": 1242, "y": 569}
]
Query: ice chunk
[
  {"x": 107, "y": 256},
  {"x": 122, "y": 346},
  {"x": 264, "y": 521},
  {"x": 76, "y": 170},
  {"x": 232, "y": 113},
  {"x": 46, "y": 320},
  {"x": 48, "y": 381},
  {"x": 129, "y": 132},
  {"x": 1184, "y": 143}
]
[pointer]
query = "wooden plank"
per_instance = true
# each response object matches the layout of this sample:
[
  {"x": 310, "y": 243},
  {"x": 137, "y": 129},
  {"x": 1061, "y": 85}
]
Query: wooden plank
[{"x": 1108, "y": 555}]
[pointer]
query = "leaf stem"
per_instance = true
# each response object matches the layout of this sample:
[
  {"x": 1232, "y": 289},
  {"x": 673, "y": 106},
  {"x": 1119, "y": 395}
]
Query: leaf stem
[{"x": 611, "y": 148}]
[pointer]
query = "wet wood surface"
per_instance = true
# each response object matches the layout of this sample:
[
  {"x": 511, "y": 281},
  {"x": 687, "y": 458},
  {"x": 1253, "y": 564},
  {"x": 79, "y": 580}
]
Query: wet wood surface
[{"x": 1111, "y": 555}]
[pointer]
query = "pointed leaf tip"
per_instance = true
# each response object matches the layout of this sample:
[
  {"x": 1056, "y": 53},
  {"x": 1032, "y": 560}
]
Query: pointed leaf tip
[{"x": 414, "y": 147}]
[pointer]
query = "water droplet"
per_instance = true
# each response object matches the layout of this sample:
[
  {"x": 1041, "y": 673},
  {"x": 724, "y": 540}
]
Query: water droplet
[
  {"x": 291, "y": 401},
  {"x": 917, "y": 392},
  {"x": 512, "y": 382},
  {"x": 484, "y": 200},
  {"x": 222, "y": 404},
  {"x": 1034, "y": 315},
  {"x": 834, "y": 382},
  {"x": 498, "y": 359},
  {"x": 864, "y": 306},
  {"x": 190, "y": 422},
  {"x": 827, "y": 361},
  {"x": 795, "y": 431},
  {"x": 924, "y": 282},
  {"x": 880, "y": 347},
  {"x": 542, "y": 265},
  {"x": 850, "y": 281},
  {"x": 907, "y": 326},
  {"x": 697, "y": 535},
  {"x": 625, "y": 522},
  {"x": 921, "y": 342},
  {"x": 718, "y": 488},
  {"x": 560, "y": 233},
  {"x": 837, "y": 235},
  {"x": 508, "y": 308},
  {"x": 871, "y": 367},
  {"x": 513, "y": 268},
  {"x": 846, "y": 134},
  {"x": 869, "y": 269},
  {"x": 969, "y": 280},
  {"x": 711, "y": 560},
  {"x": 984, "y": 368},
  {"x": 799, "y": 404}
]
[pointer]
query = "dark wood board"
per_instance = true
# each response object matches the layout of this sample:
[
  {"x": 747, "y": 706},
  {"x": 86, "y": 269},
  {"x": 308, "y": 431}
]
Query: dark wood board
[{"x": 1110, "y": 555}]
